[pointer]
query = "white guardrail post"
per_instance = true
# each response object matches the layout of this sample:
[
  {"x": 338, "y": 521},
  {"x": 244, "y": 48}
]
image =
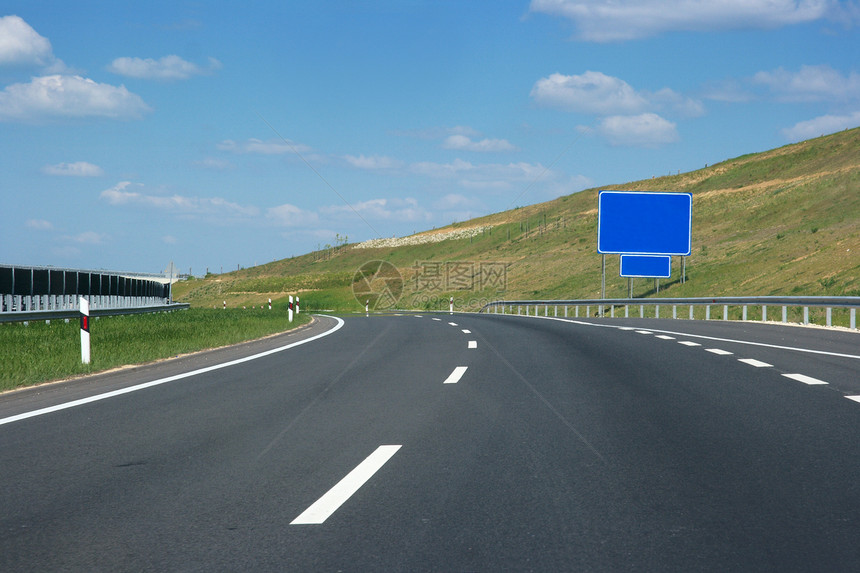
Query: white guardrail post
[
  {"x": 85, "y": 330},
  {"x": 849, "y": 304}
]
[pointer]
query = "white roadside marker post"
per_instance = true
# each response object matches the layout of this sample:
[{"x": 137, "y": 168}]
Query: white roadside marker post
[
  {"x": 270, "y": 304},
  {"x": 290, "y": 309},
  {"x": 85, "y": 330},
  {"x": 297, "y": 304},
  {"x": 451, "y": 305}
]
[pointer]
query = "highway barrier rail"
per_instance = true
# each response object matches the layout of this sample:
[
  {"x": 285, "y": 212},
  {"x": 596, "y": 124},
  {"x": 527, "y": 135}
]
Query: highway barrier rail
[
  {"x": 45, "y": 293},
  {"x": 745, "y": 306},
  {"x": 34, "y": 315}
]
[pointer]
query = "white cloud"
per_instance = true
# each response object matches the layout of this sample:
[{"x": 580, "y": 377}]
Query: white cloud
[
  {"x": 168, "y": 240},
  {"x": 455, "y": 201},
  {"x": 89, "y": 238},
  {"x": 76, "y": 169},
  {"x": 601, "y": 21},
  {"x": 68, "y": 96},
  {"x": 21, "y": 44},
  {"x": 39, "y": 225},
  {"x": 437, "y": 132},
  {"x": 394, "y": 209},
  {"x": 483, "y": 176},
  {"x": 600, "y": 94},
  {"x": 647, "y": 130},
  {"x": 823, "y": 125},
  {"x": 591, "y": 92},
  {"x": 291, "y": 216},
  {"x": 373, "y": 162},
  {"x": 464, "y": 142},
  {"x": 682, "y": 105},
  {"x": 167, "y": 68},
  {"x": 271, "y": 147},
  {"x": 810, "y": 84},
  {"x": 120, "y": 194},
  {"x": 729, "y": 91},
  {"x": 455, "y": 207},
  {"x": 215, "y": 164},
  {"x": 533, "y": 178}
]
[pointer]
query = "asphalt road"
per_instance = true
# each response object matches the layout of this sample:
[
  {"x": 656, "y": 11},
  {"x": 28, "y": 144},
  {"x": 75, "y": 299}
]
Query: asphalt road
[{"x": 449, "y": 443}]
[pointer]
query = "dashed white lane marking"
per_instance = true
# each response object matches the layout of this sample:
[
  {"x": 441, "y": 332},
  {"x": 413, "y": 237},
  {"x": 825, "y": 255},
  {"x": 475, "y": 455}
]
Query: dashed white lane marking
[
  {"x": 438, "y": 319},
  {"x": 754, "y": 362},
  {"x": 453, "y": 323},
  {"x": 714, "y": 338},
  {"x": 473, "y": 344},
  {"x": 688, "y": 343},
  {"x": 455, "y": 376},
  {"x": 467, "y": 331},
  {"x": 643, "y": 332},
  {"x": 345, "y": 488},
  {"x": 665, "y": 337},
  {"x": 719, "y": 351},
  {"x": 805, "y": 379},
  {"x": 855, "y": 398}
]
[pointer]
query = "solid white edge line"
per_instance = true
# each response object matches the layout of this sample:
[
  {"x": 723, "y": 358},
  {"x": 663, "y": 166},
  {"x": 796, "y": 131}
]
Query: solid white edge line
[
  {"x": 322, "y": 509},
  {"x": 805, "y": 379},
  {"x": 473, "y": 344},
  {"x": 160, "y": 381},
  {"x": 747, "y": 342},
  {"x": 455, "y": 376}
]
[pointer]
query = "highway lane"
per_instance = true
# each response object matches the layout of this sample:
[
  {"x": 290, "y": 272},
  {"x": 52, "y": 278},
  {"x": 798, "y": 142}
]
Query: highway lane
[{"x": 555, "y": 445}]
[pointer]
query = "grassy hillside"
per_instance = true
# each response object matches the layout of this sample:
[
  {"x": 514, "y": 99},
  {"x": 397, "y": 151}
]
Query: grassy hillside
[{"x": 786, "y": 221}]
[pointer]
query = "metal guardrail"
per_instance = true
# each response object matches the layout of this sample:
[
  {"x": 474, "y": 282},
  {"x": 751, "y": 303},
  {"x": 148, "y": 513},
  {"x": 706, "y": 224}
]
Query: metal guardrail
[
  {"x": 852, "y": 303},
  {"x": 36, "y": 315}
]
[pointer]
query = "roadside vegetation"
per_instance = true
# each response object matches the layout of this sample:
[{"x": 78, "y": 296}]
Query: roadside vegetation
[
  {"x": 781, "y": 222},
  {"x": 39, "y": 352}
]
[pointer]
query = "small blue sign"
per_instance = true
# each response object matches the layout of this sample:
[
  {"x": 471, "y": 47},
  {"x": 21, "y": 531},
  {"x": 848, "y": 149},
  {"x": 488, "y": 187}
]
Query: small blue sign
[
  {"x": 646, "y": 266},
  {"x": 640, "y": 223}
]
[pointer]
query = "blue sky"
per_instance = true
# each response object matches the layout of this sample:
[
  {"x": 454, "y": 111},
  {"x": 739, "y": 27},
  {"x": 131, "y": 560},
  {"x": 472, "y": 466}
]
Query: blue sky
[{"x": 222, "y": 134}]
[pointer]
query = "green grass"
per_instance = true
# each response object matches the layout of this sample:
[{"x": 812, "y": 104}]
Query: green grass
[
  {"x": 785, "y": 221},
  {"x": 39, "y": 352}
]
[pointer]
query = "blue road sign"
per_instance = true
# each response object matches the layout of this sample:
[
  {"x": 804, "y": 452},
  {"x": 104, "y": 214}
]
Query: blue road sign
[
  {"x": 646, "y": 266},
  {"x": 640, "y": 223}
]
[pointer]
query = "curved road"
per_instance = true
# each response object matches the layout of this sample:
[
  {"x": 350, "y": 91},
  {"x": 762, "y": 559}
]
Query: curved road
[{"x": 448, "y": 443}]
